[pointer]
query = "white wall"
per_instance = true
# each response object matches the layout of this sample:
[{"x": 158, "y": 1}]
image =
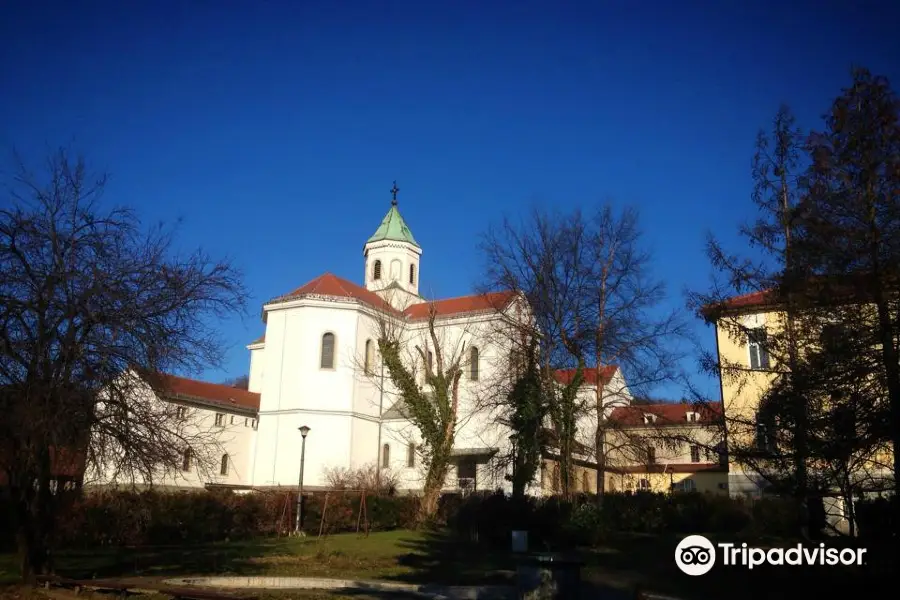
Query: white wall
[
  {"x": 235, "y": 439},
  {"x": 257, "y": 362}
]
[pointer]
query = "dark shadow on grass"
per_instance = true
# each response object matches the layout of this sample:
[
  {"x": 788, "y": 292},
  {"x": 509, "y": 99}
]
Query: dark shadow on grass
[
  {"x": 224, "y": 558},
  {"x": 441, "y": 557}
]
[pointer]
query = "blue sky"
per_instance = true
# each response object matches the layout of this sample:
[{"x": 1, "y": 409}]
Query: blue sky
[{"x": 275, "y": 129}]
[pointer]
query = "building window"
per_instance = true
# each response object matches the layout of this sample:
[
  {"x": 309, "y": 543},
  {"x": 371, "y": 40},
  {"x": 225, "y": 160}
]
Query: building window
[
  {"x": 253, "y": 423},
  {"x": 693, "y": 417},
  {"x": 232, "y": 419},
  {"x": 412, "y": 274},
  {"x": 327, "y": 359},
  {"x": 695, "y": 454},
  {"x": 385, "y": 456},
  {"x": 473, "y": 363},
  {"x": 585, "y": 484},
  {"x": 223, "y": 470},
  {"x": 369, "y": 358},
  {"x": 429, "y": 364},
  {"x": 182, "y": 412},
  {"x": 759, "y": 354},
  {"x": 685, "y": 485},
  {"x": 220, "y": 419},
  {"x": 644, "y": 484},
  {"x": 376, "y": 270},
  {"x": 651, "y": 455},
  {"x": 411, "y": 455},
  {"x": 765, "y": 435},
  {"x": 186, "y": 460},
  {"x": 246, "y": 421},
  {"x": 649, "y": 419}
]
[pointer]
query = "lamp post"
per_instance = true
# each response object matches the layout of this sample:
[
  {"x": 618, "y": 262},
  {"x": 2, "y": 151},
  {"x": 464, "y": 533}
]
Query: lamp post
[
  {"x": 304, "y": 430},
  {"x": 515, "y": 459}
]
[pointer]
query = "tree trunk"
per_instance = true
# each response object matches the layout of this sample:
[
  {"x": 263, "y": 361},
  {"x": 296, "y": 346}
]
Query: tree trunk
[
  {"x": 601, "y": 462},
  {"x": 431, "y": 494}
]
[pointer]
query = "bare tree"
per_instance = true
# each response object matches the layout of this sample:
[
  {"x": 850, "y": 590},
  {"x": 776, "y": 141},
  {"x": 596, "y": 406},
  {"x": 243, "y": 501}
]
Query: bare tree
[
  {"x": 242, "y": 382},
  {"x": 93, "y": 310},
  {"x": 594, "y": 303}
]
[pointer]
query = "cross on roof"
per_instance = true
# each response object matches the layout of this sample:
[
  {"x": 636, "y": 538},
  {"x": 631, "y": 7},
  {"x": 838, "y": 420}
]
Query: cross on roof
[{"x": 394, "y": 191}]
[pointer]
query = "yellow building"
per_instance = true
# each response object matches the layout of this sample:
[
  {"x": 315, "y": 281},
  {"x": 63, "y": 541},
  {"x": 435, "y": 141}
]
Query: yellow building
[
  {"x": 666, "y": 447},
  {"x": 743, "y": 324}
]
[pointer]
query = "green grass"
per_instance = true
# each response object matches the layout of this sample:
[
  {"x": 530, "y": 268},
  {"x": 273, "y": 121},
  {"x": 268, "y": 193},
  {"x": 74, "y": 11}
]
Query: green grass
[{"x": 623, "y": 562}]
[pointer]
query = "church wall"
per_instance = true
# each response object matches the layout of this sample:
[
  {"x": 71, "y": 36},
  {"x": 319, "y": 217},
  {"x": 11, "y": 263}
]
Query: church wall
[
  {"x": 296, "y": 391},
  {"x": 327, "y": 446},
  {"x": 367, "y": 387},
  {"x": 257, "y": 361},
  {"x": 363, "y": 443},
  {"x": 294, "y": 379},
  {"x": 398, "y": 435}
]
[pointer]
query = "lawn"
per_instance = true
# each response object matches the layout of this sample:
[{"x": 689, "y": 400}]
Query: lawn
[{"x": 624, "y": 562}]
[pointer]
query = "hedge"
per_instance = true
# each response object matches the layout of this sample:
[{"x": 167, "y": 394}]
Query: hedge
[
  {"x": 583, "y": 521},
  {"x": 121, "y": 518}
]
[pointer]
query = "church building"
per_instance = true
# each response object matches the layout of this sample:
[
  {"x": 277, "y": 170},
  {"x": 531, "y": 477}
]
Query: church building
[{"x": 317, "y": 367}]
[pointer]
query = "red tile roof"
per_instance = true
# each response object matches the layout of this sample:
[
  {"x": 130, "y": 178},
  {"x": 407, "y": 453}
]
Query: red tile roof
[
  {"x": 666, "y": 413},
  {"x": 215, "y": 393},
  {"x": 751, "y": 299},
  {"x": 476, "y": 303},
  {"x": 590, "y": 375},
  {"x": 332, "y": 285}
]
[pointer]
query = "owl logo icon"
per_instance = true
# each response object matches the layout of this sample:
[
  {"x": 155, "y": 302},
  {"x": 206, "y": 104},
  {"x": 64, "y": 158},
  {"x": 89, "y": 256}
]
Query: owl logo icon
[{"x": 695, "y": 555}]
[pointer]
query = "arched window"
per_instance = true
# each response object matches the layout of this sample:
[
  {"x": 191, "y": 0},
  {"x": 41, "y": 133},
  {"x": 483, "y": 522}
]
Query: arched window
[
  {"x": 411, "y": 455},
  {"x": 327, "y": 360},
  {"x": 376, "y": 270},
  {"x": 473, "y": 363},
  {"x": 186, "y": 460},
  {"x": 386, "y": 456},
  {"x": 412, "y": 274},
  {"x": 395, "y": 270},
  {"x": 223, "y": 470},
  {"x": 369, "y": 359}
]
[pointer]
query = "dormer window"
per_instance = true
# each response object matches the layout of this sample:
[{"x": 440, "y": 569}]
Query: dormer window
[
  {"x": 693, "y": 417},
  {"x": 376, "y": 270},
  {"x": 649, "y": 419}
]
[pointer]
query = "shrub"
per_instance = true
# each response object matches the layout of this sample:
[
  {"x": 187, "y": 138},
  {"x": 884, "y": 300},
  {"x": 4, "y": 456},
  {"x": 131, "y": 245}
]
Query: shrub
[
  {"x": 553, "y": 523},
  {"x": 124, "y": 518}
]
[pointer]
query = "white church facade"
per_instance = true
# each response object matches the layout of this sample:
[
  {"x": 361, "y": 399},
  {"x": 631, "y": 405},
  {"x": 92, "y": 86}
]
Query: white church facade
[{"x": 317, "y": 366}]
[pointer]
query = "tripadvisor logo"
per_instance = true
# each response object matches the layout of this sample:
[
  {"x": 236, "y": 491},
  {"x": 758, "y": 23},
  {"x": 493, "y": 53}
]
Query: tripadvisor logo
[{"x": 696, "y": 555}]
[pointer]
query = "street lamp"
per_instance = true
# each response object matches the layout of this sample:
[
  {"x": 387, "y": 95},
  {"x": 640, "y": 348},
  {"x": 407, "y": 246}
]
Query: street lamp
[
  {"x": 304, "y": 430},
  {"x": 515, "y": 458}
]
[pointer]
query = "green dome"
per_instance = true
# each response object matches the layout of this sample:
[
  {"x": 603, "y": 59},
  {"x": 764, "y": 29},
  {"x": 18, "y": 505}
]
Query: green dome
[{"x": 393, "y": 228}]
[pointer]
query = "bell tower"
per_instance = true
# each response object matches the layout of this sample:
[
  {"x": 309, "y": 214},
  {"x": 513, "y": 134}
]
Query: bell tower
[{"x": 392, "y": 259}]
